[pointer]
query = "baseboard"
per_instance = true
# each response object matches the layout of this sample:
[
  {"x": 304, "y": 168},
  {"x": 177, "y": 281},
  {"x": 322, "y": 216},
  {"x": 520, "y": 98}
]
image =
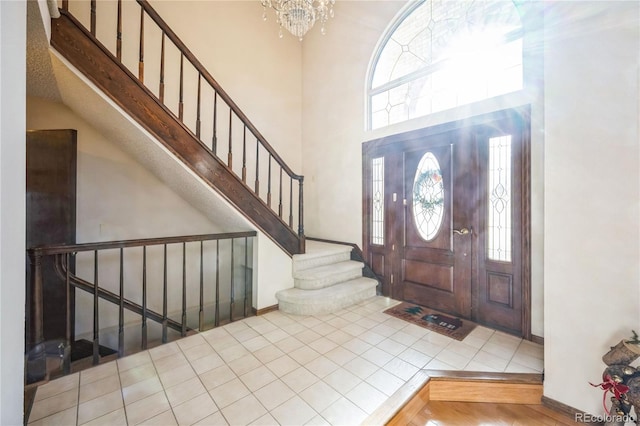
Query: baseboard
[
  {"x": 568, "y": 411},
  {"x": 537, "y": 339},
  {"x": 258, "y": 312}
]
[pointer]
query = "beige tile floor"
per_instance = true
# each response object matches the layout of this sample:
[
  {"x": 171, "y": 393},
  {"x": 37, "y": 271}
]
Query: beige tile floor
[{"x": 275, "y": 369}]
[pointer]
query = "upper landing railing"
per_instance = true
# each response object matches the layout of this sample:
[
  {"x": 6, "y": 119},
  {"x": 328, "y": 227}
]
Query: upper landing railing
[{"x": 182, "y": 284}]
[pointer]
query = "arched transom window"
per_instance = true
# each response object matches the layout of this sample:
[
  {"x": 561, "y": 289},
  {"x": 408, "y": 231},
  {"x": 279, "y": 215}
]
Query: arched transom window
[{"x": 441, "y": 54}]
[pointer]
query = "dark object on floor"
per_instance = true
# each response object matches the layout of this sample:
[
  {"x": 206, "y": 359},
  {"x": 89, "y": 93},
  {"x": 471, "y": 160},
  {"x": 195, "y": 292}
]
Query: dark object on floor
[
  {"x": 433, "y": 320},
  {"x": 444, "y": 321}
]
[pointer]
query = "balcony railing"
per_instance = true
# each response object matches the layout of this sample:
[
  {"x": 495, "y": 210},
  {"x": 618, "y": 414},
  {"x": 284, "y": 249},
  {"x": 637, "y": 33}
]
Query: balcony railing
[{"x": 141, "y": 281}]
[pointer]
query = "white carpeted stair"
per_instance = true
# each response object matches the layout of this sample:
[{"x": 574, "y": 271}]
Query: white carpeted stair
[{"x": 325, "y": 280}]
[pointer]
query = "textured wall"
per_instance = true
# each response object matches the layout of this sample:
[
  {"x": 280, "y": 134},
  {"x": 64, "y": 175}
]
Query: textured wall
[{"x": 592, "y": 192}]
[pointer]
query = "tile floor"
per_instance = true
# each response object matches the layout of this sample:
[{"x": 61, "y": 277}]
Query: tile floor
[{"x": 275, "y": 369}]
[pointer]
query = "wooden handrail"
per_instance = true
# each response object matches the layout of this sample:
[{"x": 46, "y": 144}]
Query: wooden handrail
[
  {"x": 111, "y": 297},
  {"x": 353, "y": 246},
  {"x": 75, "y": 248}
]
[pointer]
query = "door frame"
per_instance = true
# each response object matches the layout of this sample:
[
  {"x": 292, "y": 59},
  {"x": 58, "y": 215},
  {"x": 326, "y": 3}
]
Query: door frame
[{"x": 379, "y": 257}]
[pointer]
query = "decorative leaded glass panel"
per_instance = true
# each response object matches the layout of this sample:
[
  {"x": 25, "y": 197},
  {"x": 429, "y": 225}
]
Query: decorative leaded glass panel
[
  {"x": 377, "y": 201},
  {"x": 428, "y": 197},
  {"x": 499, "y": 218},
  {"x": 476, "y": 45}
]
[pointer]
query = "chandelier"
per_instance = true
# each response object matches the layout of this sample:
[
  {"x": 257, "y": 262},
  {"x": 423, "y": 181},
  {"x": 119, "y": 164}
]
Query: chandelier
[{"x": 299, "y": 16}]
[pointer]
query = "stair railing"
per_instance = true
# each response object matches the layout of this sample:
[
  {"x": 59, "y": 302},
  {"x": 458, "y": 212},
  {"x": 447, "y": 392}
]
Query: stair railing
[
  {"x": 208, "y": 113},
  {"x": 206, "y": 256}
]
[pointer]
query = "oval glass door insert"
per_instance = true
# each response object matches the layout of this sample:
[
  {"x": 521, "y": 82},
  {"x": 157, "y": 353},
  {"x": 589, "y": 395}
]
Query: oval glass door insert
[{"x": 428, "y": 197}]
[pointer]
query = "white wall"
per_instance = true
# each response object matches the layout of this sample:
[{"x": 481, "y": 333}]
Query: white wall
[
  {"x": 12, "y": 215},
  {"x": 334, "y": 71},
  {"x": 592, "y": 192},
  {"x": 274, "y": 270}
]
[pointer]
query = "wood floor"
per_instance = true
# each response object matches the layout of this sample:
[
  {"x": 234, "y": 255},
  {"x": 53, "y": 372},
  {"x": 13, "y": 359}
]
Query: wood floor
[
  {"x": 445, "y": 413},
  {"x": 460, "y": 398}
]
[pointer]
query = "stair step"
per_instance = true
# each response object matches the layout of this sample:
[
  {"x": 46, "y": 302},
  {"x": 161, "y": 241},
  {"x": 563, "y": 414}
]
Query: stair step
[
  {"x": 320, "y": 254},
  {"x": 326, "y": 300},
  {"x": 327, "y": 275}
]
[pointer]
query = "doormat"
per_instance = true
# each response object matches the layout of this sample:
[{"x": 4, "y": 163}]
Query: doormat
[{"x": 447, "y": 325}]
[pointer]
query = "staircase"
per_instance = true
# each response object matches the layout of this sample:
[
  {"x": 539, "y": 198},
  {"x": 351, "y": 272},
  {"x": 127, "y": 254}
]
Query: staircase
[
  {"x": 214, "y": 140},
  {"x": 325, "y": 280},
  {"x": 205, "y": 131}
]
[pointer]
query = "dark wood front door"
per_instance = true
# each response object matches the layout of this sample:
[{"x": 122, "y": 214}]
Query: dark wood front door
[
  {"x": 446, "y": 218},
  {"x": 435, "y": 261}
]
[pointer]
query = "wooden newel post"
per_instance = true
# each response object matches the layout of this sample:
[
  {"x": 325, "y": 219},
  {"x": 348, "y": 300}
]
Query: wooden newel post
[
  {"x": 36, "y": 362},
  {"x": 301, "y": 215}
]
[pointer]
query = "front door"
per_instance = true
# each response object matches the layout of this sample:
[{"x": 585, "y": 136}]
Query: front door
[
  {"x": 445, "y": 218},
  {"x": 434, "y": 240}
]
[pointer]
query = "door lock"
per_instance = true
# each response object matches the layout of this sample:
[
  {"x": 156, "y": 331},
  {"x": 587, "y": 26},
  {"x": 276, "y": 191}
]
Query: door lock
[{"x": 463, "y": 231}]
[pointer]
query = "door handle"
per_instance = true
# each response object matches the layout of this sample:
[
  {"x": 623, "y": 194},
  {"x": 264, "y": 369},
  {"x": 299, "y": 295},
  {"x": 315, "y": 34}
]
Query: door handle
[{"x": 463, "y": 231}]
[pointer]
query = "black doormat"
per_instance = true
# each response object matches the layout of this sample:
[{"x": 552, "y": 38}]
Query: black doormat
[{"x": 447, "y": 325}]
